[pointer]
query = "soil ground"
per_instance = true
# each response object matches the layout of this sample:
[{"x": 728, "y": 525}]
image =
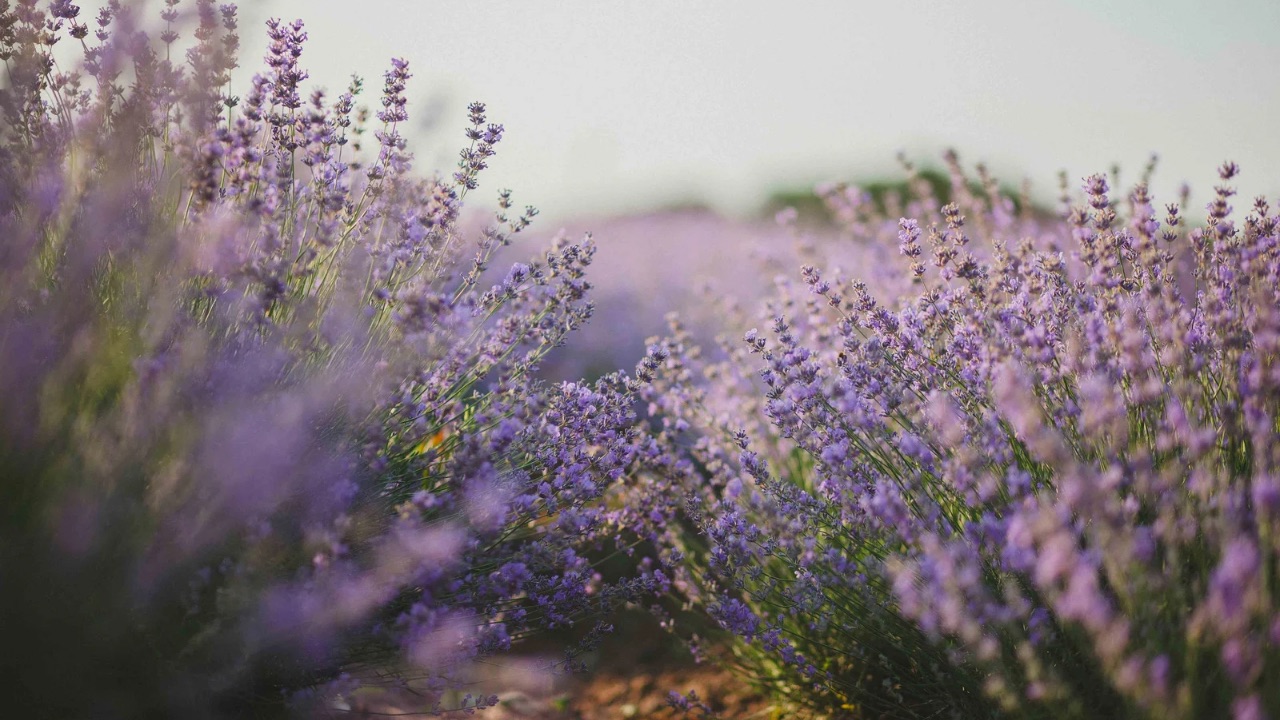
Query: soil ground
[
  {"x": 635, "y": 670},
  {"x": 623, "y": 687},
  {"x": 629, "y": 676}
]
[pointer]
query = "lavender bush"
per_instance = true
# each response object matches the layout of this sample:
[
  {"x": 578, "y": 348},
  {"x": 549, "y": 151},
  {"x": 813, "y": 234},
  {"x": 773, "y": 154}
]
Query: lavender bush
[
  {"x": 271, "y": 437},
  {"x": 1040, "y": 484},
  {"x": 265, "y": 440}
]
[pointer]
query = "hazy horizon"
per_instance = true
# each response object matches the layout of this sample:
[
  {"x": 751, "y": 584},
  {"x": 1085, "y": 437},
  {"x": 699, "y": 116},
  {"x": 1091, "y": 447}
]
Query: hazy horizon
[{"x": 615, "y": 108}]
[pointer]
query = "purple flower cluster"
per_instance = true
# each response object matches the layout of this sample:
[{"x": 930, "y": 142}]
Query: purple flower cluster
[
  {"x": 1041, "y": 483},
  {"x": 266, "y": 437}
]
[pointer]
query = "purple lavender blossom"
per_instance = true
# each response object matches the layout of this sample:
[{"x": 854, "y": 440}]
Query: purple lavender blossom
[{"x": 1051, "y": 474}]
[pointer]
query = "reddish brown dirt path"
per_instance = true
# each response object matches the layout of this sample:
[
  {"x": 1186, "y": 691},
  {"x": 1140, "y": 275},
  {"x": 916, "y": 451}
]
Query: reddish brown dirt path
[
  {"x": 527, "y": 692},
  {"x": 611, "y": 694},
  {"x": 629, "y": 676}
]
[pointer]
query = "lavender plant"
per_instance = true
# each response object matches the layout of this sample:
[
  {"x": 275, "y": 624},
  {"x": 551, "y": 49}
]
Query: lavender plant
[
  {"x": 266, "y": 439},
  {"x": 1040, "y": 484}
]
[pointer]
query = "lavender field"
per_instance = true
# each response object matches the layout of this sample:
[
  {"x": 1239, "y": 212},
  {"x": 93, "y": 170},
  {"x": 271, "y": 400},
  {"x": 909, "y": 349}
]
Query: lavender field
[{"x": 294, "y": 424}]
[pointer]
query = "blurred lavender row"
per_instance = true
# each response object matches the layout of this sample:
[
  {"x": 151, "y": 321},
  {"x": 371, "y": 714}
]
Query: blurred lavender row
[
  {"x": 698, "y": 264},
  {"x": 267, "y": 442}
]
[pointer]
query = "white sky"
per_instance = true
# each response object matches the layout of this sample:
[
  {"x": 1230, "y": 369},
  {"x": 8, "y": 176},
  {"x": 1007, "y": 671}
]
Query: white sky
[{"x": 614, "y": 106}]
